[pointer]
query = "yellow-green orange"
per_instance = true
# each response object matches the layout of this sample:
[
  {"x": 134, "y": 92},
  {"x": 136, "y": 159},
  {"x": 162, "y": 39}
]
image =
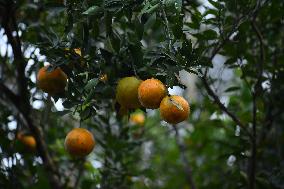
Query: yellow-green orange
[
  {"x": 137, "y": 118},
  {"x": 151, "y": 92},
  {"x": 79, "y": 142},
  {"x": 127, "y": 92},
  {"x": 52, "y": 82},
  {"x": 174, "y": 109}
]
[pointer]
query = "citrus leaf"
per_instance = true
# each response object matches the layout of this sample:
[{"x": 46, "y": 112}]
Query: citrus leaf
[
  {"x": 176, "y": 104},
  {"x": 230, "y": 89},
  {"x": 91, "y": 84},
  {"x": 94, "y": 10}
]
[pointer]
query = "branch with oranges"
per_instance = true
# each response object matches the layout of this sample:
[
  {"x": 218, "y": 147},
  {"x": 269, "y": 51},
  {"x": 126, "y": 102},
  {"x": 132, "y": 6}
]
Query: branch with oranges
[{"x": 131, "y": 93}]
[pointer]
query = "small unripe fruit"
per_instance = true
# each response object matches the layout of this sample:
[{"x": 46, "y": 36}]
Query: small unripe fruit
[{"x": 137, "y": 118}]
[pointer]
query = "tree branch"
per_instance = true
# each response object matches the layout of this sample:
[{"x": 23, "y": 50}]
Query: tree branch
[
  {"x": 37, "y": 133},
  {"x": 256, "y": 93},
  {"x": 10, "y": 26},
  {"x": 23, "y": 105},
  {"x": 187, "y": 168},
  {"x": 269, "y": 117},
  {"x": 262, "y": 54},
  {"x": 214, "y": 53},
  {"x": 237, "y": 23},
  {"x": 80, "y": 173},
  {"x": 9, "y": 94},
  {"x": 223, "y": 107}
]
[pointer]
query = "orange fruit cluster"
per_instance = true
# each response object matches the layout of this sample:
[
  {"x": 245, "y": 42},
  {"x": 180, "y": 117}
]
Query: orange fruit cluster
[
  {"x": 78, "y": 142},
  {"x": 132, "y": 93}
]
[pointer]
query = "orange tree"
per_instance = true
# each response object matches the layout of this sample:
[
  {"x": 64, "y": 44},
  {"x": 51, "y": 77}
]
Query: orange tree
[{"x": 227, "y": 55}]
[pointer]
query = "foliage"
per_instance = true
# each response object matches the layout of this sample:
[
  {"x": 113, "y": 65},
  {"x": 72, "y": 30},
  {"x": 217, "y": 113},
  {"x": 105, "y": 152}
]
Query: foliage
[{"x": 233, "y": 138}]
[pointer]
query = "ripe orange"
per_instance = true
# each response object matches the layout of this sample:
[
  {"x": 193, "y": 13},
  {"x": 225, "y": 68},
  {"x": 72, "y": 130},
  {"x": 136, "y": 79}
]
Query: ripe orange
[
  {"x": 174, "y": 109},
  {"x": 79, "y": 142},
  {"x": 127, "y": 92},
  {"x": 28, "y": 141},
  {"x": 137, "y": 118},
  {"x": 51, "y": 82},
  {"x": 151, "y": 92}
]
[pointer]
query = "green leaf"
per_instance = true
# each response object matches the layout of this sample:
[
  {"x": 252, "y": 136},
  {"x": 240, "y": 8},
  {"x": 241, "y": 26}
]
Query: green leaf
[
  {"x": 113, "y": 5},
  {"x": 62, "y": 113},
  {"x": 216, "y": 4},
  {"x": 210, "y": 34},
  {"x": 231, "y": 89},
  {"x": 90, "y": 96},
  {"x": 68, "y": 104},
  {"x": 176, "y": 104},
  {"x": 85, "y": 113},
  {"x": 148, "y": 8},
  {"x": 230, "y": 61},
  {"x": 91, "y": 84},
  {"x": 177, "y": 4},
  {"x": 94, "y": 10}
]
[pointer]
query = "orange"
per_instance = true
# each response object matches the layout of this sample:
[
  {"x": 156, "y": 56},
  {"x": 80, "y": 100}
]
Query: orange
[
  {"x": 28, "y": 141},
  {"x": 174, "y": 109},
  {"x": 79, "y": 142},
  {"x": 51, "y": 82},
  {"x": 137, "y": 118},
  {"x": 127, "y": 92},
  {"x": 151, "y": 92}
]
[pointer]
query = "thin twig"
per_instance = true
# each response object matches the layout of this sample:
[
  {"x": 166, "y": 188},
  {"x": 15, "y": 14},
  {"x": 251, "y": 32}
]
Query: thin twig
[
  {"x": 256, "y": 93},
  {"x": 165, "y": 19},
  {"x": 223, "y": 107},
  {"x": 134, "y": 69},
  {"x": 269, "y": 117},
  {"x": 236, "y": 25},
  {"x": 252, "y": 163},
  {"x": 187, "y": 168},
  {"x": 45, "y": 113},
  {"x": 214, "y": 53},
  {"x": 80, "y": 172}
]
